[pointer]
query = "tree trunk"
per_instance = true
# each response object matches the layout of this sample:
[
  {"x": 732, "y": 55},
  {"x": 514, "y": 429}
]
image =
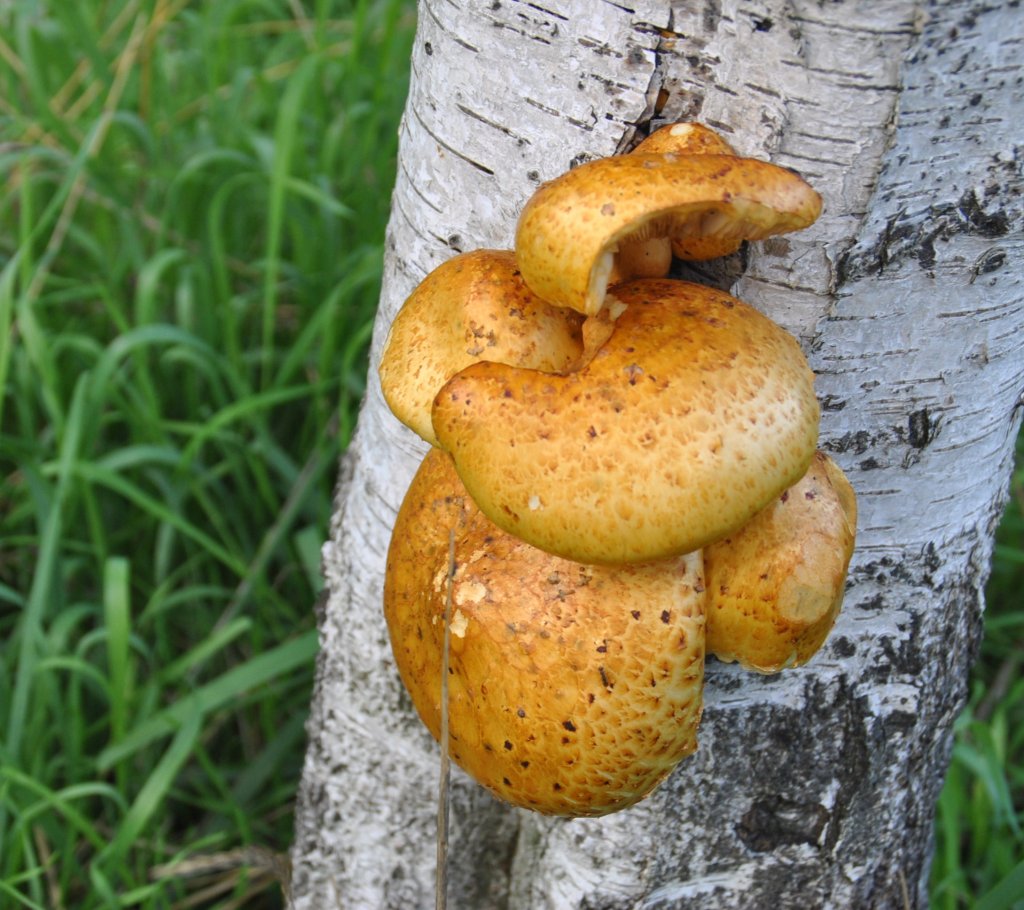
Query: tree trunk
[{"x": 814, "y": 788}]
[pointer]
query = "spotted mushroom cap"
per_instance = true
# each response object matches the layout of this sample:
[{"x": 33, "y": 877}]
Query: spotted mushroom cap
[
  {"x": 775, "y": 586},
  {"x": 570, "y": 229},
  {"x": 573, "y": 690},
  {"x": 694, "y": 415},
  {"x": 473, "y": 307}
]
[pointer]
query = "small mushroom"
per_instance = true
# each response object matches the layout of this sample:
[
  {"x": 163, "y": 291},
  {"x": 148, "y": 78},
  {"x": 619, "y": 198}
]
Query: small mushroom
[
  {"x": 573, "y": 689},
  {"x": 473, "y": 307},
  {"x": 693, "y": 416},
  {"x": 571, "y": 228},
  {"x": 775, "y": 586}
]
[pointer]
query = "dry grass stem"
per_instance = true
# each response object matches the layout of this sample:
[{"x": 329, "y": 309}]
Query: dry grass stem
[
  {"x": 263, "y": 866},
  {"x": 443, "y": 799}
]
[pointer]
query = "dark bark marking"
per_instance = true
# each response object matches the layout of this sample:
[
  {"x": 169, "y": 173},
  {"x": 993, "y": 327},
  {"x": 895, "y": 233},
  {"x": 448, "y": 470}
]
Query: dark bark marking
[
  {"x": 922, "y": 429},
  {"x": 990, "y": 261},
  {"x": 501, "y": 128},
  {"x": 712, "y": 16},
  {"x": 914, "y": 236},
  {"x": 774, "y": 821},
  {"x": 831, "y": 403},
  {"x": 843, "y": 648}
]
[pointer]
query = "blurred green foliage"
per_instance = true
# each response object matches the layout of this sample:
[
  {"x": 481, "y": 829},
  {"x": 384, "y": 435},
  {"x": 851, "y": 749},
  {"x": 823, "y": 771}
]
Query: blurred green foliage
[{"x": 192, "y": 217}]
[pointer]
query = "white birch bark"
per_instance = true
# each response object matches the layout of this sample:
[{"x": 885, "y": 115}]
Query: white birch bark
[{"x": 814, "y": 788}]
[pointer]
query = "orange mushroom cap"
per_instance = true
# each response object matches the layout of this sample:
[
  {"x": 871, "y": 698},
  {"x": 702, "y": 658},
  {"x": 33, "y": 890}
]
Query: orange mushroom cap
[
  {"x": 570, "y": 229},
  {"x": 775, "y": 586},
  {"x": 471, "y": 308},
  {"x": 573, "y": 690},
  {"x": 693, "y": 415}
]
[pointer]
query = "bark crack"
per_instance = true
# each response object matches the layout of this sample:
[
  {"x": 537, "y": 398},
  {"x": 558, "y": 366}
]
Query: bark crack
[{"x": 448, "y": 147}]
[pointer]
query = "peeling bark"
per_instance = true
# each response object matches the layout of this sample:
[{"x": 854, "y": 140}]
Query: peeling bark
[{"x": 815, "y": 788}]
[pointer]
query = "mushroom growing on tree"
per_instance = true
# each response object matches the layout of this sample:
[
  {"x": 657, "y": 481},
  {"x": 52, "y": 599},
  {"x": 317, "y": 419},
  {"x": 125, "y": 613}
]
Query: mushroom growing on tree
[
  {"x": 587, "y": 470},
  {"x": 919, "y": 366},
  {"x": 473, "y": 307},
  {"x": 776, "y": 585},
  {"x": 693, "y": 415},
  {"x": 651, "y": 256},
  {"x": 572, "y": 226},
  {"x": 573, "y": 689}
]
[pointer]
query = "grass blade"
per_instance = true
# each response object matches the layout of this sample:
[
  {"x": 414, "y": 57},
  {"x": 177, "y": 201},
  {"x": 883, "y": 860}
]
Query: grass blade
[
  {"x": 157, "y": 785},
  {"x": 285, "y": 132},
  {"x": 40, "y": 596},
  {"x": 262, "y": 669},
  {"x": 1007, "y": 895},
  {"x": 117, "y": 616}
]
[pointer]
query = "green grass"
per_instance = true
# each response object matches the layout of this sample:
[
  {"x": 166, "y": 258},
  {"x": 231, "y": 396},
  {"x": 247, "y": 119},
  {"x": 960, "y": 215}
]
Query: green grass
[
  {"x": 192, "y": 215},
  {"x": 979, "y": 857}
]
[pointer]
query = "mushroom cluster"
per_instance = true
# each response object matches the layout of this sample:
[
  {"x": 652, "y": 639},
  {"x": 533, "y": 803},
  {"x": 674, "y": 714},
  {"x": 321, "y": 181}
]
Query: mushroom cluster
[{"x": 627, "y": 467}]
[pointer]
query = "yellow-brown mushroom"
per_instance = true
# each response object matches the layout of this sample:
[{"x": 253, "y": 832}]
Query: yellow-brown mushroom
[
  {"x": 692, "y": 139},
  {"x": 473, "y": 307},
  {"x": 570, "y": 229},
  {"x": 614, "y": 484},
  {"x": 684, "y": 139},
  {"x": 573, "y": 690},
  {"x": 695, "y": 414},
  {"x": 775, "y": 586}
]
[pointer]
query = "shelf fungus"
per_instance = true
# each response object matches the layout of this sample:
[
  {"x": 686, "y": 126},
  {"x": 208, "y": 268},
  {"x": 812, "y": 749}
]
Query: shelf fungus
[
  {"x": 651, "y": 257},
  {"x": 473, "y": 307},
  {"x": 694, "y": 414},
  {"x": 572, "y": 689},
  {"x": 627, "y": 466},
  {"x": 571, "y": 228}
]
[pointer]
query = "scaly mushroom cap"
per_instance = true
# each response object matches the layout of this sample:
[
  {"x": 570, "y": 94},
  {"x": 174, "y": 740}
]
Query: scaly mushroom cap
[
  {"x": 572, "y": 226},
  {"x": 473, "y": 307},
  {"x": 573, "y": 690},
  {"x": 775, "y": 586},
  {"x": 692, "y": 416}
]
